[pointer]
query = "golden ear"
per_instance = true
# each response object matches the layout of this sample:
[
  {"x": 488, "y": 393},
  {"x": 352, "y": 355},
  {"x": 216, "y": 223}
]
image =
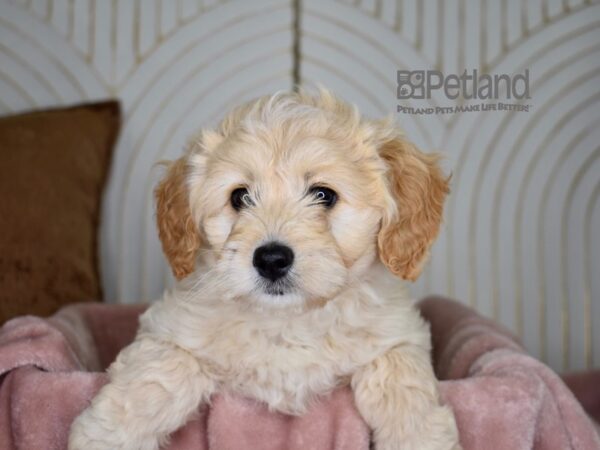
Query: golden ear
[
  {"x": 419, "y": 189},
  {"x": 177, "y": 230}
]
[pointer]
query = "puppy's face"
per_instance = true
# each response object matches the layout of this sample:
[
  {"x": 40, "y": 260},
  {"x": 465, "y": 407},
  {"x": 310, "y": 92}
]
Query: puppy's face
[
  {"x": 288, "y": 221},
  {"x": 295, "y": 197}
]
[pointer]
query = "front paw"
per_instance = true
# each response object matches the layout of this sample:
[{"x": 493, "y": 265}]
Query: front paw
[
  {"x": 414, "y": 443},
  {"x": 90, "y": 433},
  {"x": 95, "y": 429},
  {"x": 436, "y": 431},
  {"x": 404, "y": 444},
  {"x": 81, "y": 434}
]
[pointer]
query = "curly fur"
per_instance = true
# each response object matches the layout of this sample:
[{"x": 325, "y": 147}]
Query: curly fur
[
  {"x": 176, "y": 228},
  {"x": 343, "y": 318}
]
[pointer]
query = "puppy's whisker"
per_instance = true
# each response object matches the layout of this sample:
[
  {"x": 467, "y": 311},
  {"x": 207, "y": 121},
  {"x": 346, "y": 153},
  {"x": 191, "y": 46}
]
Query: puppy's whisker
[
  {"x": 209, "y": 283},
  {"x": 192, "y": 290}
]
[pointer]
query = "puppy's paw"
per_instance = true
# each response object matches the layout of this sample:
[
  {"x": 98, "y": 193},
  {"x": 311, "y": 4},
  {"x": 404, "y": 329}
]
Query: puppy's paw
[
  {"x": 412, "y": 443},
  {"x": 81, "y": 434},
  {"x": 436, "y": 431},
  {"x": 88, "y": 433},
  {"x": 93, "y": 430}
]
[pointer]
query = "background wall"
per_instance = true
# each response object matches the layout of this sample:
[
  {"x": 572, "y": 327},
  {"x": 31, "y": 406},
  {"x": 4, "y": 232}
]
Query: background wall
[{"x": 521, "y": 241}]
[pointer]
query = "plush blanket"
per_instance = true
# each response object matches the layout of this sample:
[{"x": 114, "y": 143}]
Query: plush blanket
[{"x": 502, "y": 398}]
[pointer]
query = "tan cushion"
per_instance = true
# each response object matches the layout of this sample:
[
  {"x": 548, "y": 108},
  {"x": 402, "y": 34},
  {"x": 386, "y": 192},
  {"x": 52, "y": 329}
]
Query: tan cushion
[{"x": 53, "y": 166}]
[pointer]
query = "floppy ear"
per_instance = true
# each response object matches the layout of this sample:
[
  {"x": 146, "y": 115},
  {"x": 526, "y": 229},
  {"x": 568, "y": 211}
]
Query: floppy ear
[
  {"x": 419, "y": 189},
  {"x": 177, "y": 230}
]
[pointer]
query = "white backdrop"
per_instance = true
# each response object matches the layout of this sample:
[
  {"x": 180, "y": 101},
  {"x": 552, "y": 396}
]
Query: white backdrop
[{"x": 521, "y": 240}]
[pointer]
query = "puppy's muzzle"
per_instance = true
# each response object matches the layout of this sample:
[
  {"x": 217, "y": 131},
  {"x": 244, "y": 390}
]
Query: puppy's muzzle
[{"x": 273, "y": 260}]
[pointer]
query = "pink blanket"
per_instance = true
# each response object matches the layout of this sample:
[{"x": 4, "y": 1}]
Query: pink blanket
[{"x": 502, "y": 398}]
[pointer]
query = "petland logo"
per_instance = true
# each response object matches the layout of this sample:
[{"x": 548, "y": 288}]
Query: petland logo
[{"x": 421, "y": 84}]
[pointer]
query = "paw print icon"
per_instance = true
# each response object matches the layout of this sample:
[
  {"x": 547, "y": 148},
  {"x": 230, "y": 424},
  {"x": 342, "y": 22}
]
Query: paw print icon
[{"x": 411, "y": 84}]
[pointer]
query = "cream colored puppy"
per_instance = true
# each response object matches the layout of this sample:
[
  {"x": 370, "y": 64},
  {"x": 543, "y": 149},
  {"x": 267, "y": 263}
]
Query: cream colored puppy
[{"x": 283, "y": 222}]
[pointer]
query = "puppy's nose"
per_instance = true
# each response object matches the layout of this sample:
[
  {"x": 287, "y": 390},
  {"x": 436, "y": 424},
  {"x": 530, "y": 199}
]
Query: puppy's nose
[{"x": 273, "y": 260}]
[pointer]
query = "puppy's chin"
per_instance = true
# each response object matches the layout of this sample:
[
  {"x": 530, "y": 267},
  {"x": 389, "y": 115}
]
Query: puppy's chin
[{"x": 266, "y": 299}]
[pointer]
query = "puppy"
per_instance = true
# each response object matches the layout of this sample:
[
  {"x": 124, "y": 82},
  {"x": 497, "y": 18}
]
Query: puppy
[{"x": 284, "y": 225}]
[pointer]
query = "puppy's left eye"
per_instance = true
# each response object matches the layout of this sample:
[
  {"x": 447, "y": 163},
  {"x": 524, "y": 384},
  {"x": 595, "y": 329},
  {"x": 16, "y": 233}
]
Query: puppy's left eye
[
  {"x": 324, "y": 196},
  {"x": 240, "y": 198}
]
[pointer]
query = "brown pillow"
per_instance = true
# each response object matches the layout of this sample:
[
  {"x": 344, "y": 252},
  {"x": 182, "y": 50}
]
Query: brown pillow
[{"x": 53, "y": 166}]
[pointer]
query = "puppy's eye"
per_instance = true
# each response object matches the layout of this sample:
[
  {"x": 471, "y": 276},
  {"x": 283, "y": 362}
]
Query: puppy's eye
[
  {"x": 240, "y": 198},
  {"x": 323, "y": 195}
]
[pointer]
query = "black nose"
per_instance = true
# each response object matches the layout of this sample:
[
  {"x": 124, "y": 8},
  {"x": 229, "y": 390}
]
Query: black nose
[{"x": 273, "y": 260}]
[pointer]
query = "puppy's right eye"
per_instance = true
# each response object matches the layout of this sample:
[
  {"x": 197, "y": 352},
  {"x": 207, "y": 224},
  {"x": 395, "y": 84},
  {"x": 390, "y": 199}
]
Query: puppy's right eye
[{"x": 240, "y": 198}]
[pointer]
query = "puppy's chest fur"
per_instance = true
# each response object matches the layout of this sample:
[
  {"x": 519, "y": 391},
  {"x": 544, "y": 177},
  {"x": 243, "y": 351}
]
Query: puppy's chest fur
[
  {"x": 286, "y": 362},
  {"x": 286, "y": 369}
]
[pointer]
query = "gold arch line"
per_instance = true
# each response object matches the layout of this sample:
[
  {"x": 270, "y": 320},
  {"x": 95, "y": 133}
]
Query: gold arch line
[
  {"x": 191, "y": 46},
  {"x": 366, "y": 38},
  {"x": 498, "y": 191},
  {"x": 588, "y": 310},
  {"x": 466, "y": 151},
  {"x": 33, "y": 70},
  {"x": 18, "y": 88},
  {"x": 199, "y": 17},
  {"x": 537, "y": 115},
  {"x": 524, "y": 187},
  {"x": 383, "y": 51},
  {"x": 385, "y": 80},
  {"x": 540, "y": 259},
  {"x": 57, "y": 62},
  {"x": 565, "y": 313},
  {"x": 533, "y": 31}
]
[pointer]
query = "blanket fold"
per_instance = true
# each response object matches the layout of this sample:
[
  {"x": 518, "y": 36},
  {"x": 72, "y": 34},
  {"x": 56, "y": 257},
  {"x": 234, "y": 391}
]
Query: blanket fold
[{"x": 51, "y": 368}]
